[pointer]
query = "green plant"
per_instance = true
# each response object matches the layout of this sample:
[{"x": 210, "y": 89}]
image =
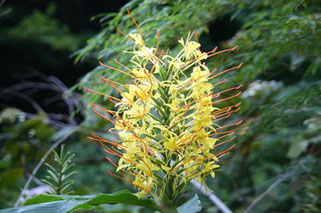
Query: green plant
[
  {"x": 168, "y": 119},
  {"x": 59, "y": 177}
]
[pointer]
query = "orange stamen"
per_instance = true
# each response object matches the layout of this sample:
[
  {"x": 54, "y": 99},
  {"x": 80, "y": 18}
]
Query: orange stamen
[
  {"x": 224, "y": 136},
  {"x": 115, "y": 165},
  {"x": 227, "y": 50},
  {"x": 188, "y": 83},
  {"x": 192, "y": 135},
  {"x": 226, "y": 109},
  {"x": 127, "y": 181},
  {"x": 216, "y": 145},
  {"x": 181, "y": 164},
  {"x": 116, "y": 154},
  {"x": 99, "y": 140},
  {"x": 139, "y": 96},
  {"x": 223, "y": 155},
  {"x": 113, "y": 86},
  {"x": 125, "y": 122},
  {"x": 133, "y": 19},
  {"x": 220, "y": 133},
  {"x": 212, "y": 51},
  {"x": 140, "y": 88},
  {"x": 103, "y": 116},
  {"x": 224, "y": 99},
  {"x": 149, "y": 169},
  {"x": 233, "y": 68},
  {"x": 157, "y": 60},
  {"x": 221, "y": 82},
  {"x": 102, "y": 139},
  {"x": 226, "y": 150},
  {"x": 230, "y": 89},
  {"x": 125, "y": 35},
  {"x": 110, "y": 161},
  {"x": 196, "y": 36},
  {"x": 110, "y": 97},
  {"x": 114, "y": 82},
  {"x": 194, "y": 101},
  {"x": 218, "y": 153},
  {"x": 157, "y": 44},
  {"x": 117, "y": 151},
  {"x": 114, "y": 114},
  {"x": 123, "y": 66},
  {"x": 126, "y": 176},
  {"x": 233, "y": 124},
  {"x": 227, "y": 113},
  {"x": 118, "y": 70},
  {"x": 190, "y": 62},
  {"x": 222, "y": 118}
]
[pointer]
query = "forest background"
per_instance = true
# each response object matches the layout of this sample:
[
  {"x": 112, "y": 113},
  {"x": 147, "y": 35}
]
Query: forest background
[{"x": 49, "y": 56}]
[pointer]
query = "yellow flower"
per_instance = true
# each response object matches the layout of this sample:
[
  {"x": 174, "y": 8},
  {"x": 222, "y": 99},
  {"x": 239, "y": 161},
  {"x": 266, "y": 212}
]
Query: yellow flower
[
  {"x": 169, "y": 143},
  {"x": 137, "y": 38},
  {"x": 190, "y": 49},
  {"x": 167, "y": 120}
]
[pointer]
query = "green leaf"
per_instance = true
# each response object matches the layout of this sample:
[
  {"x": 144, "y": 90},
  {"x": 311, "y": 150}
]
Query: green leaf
[
  {"x": 68, "y": 203},
  {"x": 191, "y": 206}
]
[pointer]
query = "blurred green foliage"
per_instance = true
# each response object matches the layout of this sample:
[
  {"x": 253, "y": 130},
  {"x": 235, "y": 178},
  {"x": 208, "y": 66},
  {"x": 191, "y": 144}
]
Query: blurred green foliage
[
  {"x": 20, "y": 137},
  {"x": 280, "y": 140},
  {"x": 41, "y": 26}
]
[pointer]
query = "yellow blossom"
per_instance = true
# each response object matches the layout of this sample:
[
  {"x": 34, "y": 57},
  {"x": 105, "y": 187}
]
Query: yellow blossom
[{"x": 167, "y": 120}]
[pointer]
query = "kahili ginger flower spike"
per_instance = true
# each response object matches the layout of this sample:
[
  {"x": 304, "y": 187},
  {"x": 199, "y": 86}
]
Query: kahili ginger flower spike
[{"x": 167, "y": 119}]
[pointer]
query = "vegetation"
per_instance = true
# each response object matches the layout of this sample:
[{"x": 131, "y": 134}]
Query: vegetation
[
  {"x": 58, "y": 179},
  {"x": 274, "y": 167}
]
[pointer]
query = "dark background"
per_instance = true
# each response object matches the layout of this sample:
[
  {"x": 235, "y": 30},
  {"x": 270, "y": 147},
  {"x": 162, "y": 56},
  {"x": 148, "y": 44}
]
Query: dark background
[{"x": 22, "y": 56}]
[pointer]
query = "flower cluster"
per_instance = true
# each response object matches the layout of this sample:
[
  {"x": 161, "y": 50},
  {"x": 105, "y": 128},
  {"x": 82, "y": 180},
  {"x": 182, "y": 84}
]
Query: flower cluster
[{"x": 167, "y": 119}]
